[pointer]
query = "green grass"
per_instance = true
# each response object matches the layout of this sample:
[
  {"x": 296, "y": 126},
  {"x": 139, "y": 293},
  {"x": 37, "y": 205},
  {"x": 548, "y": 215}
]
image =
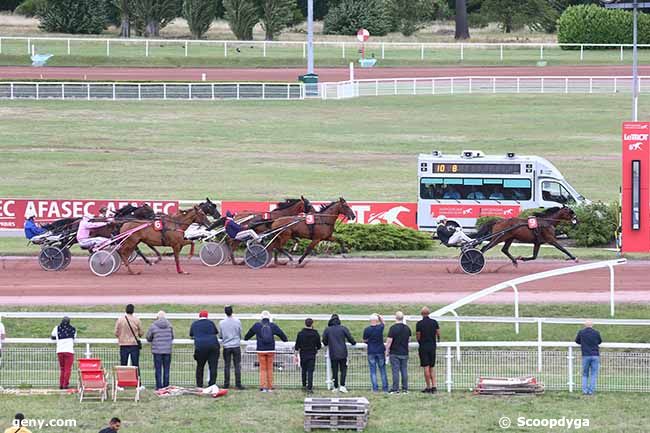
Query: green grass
[
  {"x": 172, "y": 53},
  {"x": 362, "y": 149},
  {"x": 251, "y": 412},
  {"x": 103, "y": 328}
]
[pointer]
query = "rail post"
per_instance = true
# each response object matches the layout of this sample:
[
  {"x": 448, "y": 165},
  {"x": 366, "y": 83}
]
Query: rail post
[
  {"x": 11, "y": 91},
  {"x": 225, "y": 49},
  {"x": 88, "y": 92},
  {"x": 449, "y": 360},
  {"x": 615, "y": 85},
  {"x": 108, "y": 47},
  {"x": 139, "y": 92},
  {"x": 382, "y": 50},
  {"x": 470, "y": 84},
  {"x": 514, "y": 287},
  {"x": 501, "y": 52},
  {"x": 457, "y": 323},
  {"x": 189, "y": 93},
  {"x": 611, "y": 290},
  {"x": 494, "y": 85},
  {"x": 582, "y": 52},
  {"x": 343, "y": 50},
  {"x": 212, "y": 91},
  {"x": 237, "y": 91},
  {"x": 328, "y": 370},
  {"x": 304, "y": 50},
  {"x": 187, "y": 46},
  {"x": 566, "y": 85},
  {"x": 164, "y": 90},
  {"x": 542, "y": 85},
  {"x": 113, "y": 91},
  {"x": 376, "y": 87},
  {"x": 421, "y": 51},
  {"x": 415, "y": 90},
  {"x": 621, "y": 53},
  {"x": 462, "y": 52},
  {"x": 146, "y": 48},
  {"x": 29, "y": 48},
  {"x": 395, "y": 87},
  {"x": 63, "y": 91},
  {"x": 452, "y": 85},
  {"x": 88, "y": 353},
  {"x": 0, "y": 45},
  {"x": 518, "y": 85},
  {"x": 570, "y": 368},
  {"x": 433, "y": 86},
  {"x": 539, "y": 345},
  {"x": 541, "y": 52},
  {"x": 264, "y": 49},
  {"x": 37, "y": 95},
  {"x": 68, "y": 46},
  {"x": 263, "y": 91},
  {"x": 591, "y": 85}
]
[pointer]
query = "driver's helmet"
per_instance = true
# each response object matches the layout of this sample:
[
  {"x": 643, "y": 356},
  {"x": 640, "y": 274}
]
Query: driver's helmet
[
  {"x": 441, "y": 219},
  {"x": 30, "y": 214}
]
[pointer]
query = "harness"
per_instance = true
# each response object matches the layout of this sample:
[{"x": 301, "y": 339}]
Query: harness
[{"x": 160, "y": 226}]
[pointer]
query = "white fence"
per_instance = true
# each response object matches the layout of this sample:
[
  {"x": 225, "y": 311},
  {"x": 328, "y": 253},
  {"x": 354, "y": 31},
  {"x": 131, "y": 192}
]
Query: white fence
[
  {"x": 481, "y": 85},
  {"x": 148, "y": 91},
  {"x": 138, "y": 47}
]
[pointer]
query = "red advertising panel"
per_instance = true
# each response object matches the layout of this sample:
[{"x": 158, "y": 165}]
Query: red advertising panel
[
  {"x": 636, "y": 194},
  {"x": 401, "y": 214},
  {"x": 12, "y": 210},
  {"x": 474, "y": 210}
]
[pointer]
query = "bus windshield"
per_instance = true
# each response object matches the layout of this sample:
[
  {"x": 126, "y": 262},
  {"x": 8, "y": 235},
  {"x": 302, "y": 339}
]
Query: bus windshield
[{"x": 436, "y": 188}]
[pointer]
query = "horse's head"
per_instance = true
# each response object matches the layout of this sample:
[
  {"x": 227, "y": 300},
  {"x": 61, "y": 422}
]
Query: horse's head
[
  {"x": 567, "y": 214},
  {"x": 198, "y": 216},
  {"x": 210, "y": 208},
  {"x": 345, "y": 210},
  {"x": 307, "y": 206}
]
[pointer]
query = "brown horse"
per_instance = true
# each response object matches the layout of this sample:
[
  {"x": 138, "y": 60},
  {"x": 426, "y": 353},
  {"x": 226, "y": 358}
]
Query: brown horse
[
  {"x": 517, "y": 229},
  {"x": 171, "y": 234},
  {"x": 321, "y": 230},
  {"x": 261, "y": 222}
]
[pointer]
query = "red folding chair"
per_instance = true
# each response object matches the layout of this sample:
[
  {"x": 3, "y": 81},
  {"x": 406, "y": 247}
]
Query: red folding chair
[
  {"x": 92, "y": 381},
  {"x": 126, "y": 377}
]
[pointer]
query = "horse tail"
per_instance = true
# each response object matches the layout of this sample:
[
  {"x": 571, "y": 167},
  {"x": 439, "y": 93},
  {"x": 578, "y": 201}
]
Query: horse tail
[{"x": 485, "y": 229}]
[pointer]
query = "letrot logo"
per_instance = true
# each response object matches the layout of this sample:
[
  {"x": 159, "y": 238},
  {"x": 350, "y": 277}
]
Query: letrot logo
[
  {"x": 508, "y": 212},
  {"x": 391, "y": 216},
  {"x": 467, "y": 211},
  {"x": 635, "y": 146},
  {"x": 639, "y": 137}
]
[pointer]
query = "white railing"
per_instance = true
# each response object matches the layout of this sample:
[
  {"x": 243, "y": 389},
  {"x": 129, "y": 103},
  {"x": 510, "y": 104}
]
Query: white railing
[
  {"x": 32, "y": 362},
  {"x": 344, "y": 49},
  {"x": 481, "y": 85},
  {"x": 149, "y": 91}
]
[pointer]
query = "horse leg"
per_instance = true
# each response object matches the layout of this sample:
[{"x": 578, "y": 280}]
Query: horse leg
[
  {"x": 535, "y": 253},
  {"x": 124, "y": 253},
  {"x": 308, "y": 250},
  {"x": 506, "y": 250},
  {"x": 191, "y": 254},
  {"x": 158, "y": 255},
  {"x": 233, "y": 244},
  {"x": 557, "y": 245},
  {"x": 142, "y": 256},
  {"x": 177, "y": 253},
  {"x": 340, "y": 242}
]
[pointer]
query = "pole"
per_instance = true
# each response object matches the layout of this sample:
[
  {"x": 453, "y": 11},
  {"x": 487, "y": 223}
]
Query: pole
[
  {"x": 635, "y": 66},
  {"x": 310, "y": 36}
]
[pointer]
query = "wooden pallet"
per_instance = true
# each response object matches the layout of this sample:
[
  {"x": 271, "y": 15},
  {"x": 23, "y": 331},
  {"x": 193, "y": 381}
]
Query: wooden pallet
[
  {"x": 508, "y": 386},
  {"x": 336, "y": 413}
]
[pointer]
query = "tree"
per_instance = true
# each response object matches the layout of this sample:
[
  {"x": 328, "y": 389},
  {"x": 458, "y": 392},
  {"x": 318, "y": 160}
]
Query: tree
[
  {"x": 154, "y": 15},
  {"x": 73, "y": 16},
  {"x": 462, "y": 28},
  {"x": 411, "y": 15},
  {"x": 125, "y": 8},
  {"x": 275, "y": 15},
  {"x": 242, "y": 17},
  {"x": 199, "y": 15},
  {"x": 351, "y": 15},
  {"x": 515, "y": 14}
]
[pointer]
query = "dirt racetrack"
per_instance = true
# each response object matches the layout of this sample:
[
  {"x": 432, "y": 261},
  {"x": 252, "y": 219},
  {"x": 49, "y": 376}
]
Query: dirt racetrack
[
  {"x": 291, "y": 74},
  {"x": 22, "y": 282}
]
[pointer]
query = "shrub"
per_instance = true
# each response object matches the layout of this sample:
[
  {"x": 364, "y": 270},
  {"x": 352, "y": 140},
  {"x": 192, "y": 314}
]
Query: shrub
[
  {"x": 73, "y": 16},
  {"x": 351, "y": 15},
  {"x": 597, "y": 223},
  {"x": 591, "y": 24},
  {"x": 30, "y": 8},
  {"x": 484, "y": 220}
]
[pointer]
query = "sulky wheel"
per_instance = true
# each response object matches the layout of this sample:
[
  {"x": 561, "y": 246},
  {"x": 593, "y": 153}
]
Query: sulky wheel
[
  {"x": 68, "y": 258},
  {"x": 51, "y": 258},
  {"x": 102, "y": 263},
  {"x": 133, "y": 256},
  {"x": 256, "y": 256},
  {"x": 472, "y": 261},
  {"x": 212, "y": 254},
  {"x": 118, "y": 261}
]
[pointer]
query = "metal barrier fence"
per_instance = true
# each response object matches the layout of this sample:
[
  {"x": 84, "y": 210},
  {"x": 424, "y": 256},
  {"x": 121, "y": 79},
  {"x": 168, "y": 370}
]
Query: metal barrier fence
[
  {"x": 149, "y": 91},
  {"x": 32, "y": 362},
  {"x": 435, "y": 51},
  {"x": 480, "y": 85}
]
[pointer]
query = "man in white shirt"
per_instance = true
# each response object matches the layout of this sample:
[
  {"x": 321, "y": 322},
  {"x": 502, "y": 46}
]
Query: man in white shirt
[{"x": 64, "y": 334}]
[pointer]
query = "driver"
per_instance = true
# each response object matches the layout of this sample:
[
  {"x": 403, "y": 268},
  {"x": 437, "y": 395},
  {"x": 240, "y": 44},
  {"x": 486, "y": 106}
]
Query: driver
[
  {"x": 86, "y": 224},
  {"x": 448, "y": 235},
  {"x": 237, "y": 231},
  {"x": 31, "y": 227}
]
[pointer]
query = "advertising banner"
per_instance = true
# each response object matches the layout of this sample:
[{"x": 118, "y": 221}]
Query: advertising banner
[{"x": 635, "y": 221}]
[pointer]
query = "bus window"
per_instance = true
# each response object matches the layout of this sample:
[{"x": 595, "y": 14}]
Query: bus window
[
  {"x": 475, "y": 189},
  {"x": 517, "y": 189},
  {"x": 554, "y": 191}
]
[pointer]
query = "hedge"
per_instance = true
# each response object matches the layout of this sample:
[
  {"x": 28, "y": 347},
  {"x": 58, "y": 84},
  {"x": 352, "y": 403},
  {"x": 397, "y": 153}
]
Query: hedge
[
  {"x": 592, "y": 24},
  {"x": 597, "y": 223}
]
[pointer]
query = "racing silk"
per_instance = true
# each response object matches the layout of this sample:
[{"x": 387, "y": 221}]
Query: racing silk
[
  {"x": 85, "y": 225},
  {"x": 232, "y": 228},
  {"x": 31, "y": 229},
  {"x": 444, "y": 233}
]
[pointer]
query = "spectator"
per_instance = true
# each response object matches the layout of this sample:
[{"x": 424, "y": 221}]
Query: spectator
[
  {"x": 589, "y": 340},
  {"x": 3, "y": 335},
  {"x": 64, "y": 334},
  {"x": 397, "y": 349},
  {"x": 17, "y": 425},
  {"x": 30, "y": 226},
  {"x": 334, "y": 338},
  {"x": 373, "y": 336},
  {"x": 307, "y": 345},
  {"x": 427, "y": 332},
  {"x": 264, "y": 332},
  {"x": 113, "y": 426},
  {"x": 206, "y": 347},
  {"x": 161, "y": 337},
  {"x": 128, "y": 331},
  {"x": 231, "y": 336}
]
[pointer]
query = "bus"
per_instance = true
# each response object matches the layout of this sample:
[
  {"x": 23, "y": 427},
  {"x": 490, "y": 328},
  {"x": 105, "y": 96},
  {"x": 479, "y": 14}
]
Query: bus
[{"x": 472, "y": 185}]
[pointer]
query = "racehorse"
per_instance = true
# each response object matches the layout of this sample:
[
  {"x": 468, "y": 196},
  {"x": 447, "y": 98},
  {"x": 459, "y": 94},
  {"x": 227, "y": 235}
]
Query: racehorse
[
  {"x": 63, "y": 224},
  {"x": 321, "y": 230},
  {"x": 167, "y": 231},
  {"x": 518, "y": 229},
  {"x": 263, "y": 221}
]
